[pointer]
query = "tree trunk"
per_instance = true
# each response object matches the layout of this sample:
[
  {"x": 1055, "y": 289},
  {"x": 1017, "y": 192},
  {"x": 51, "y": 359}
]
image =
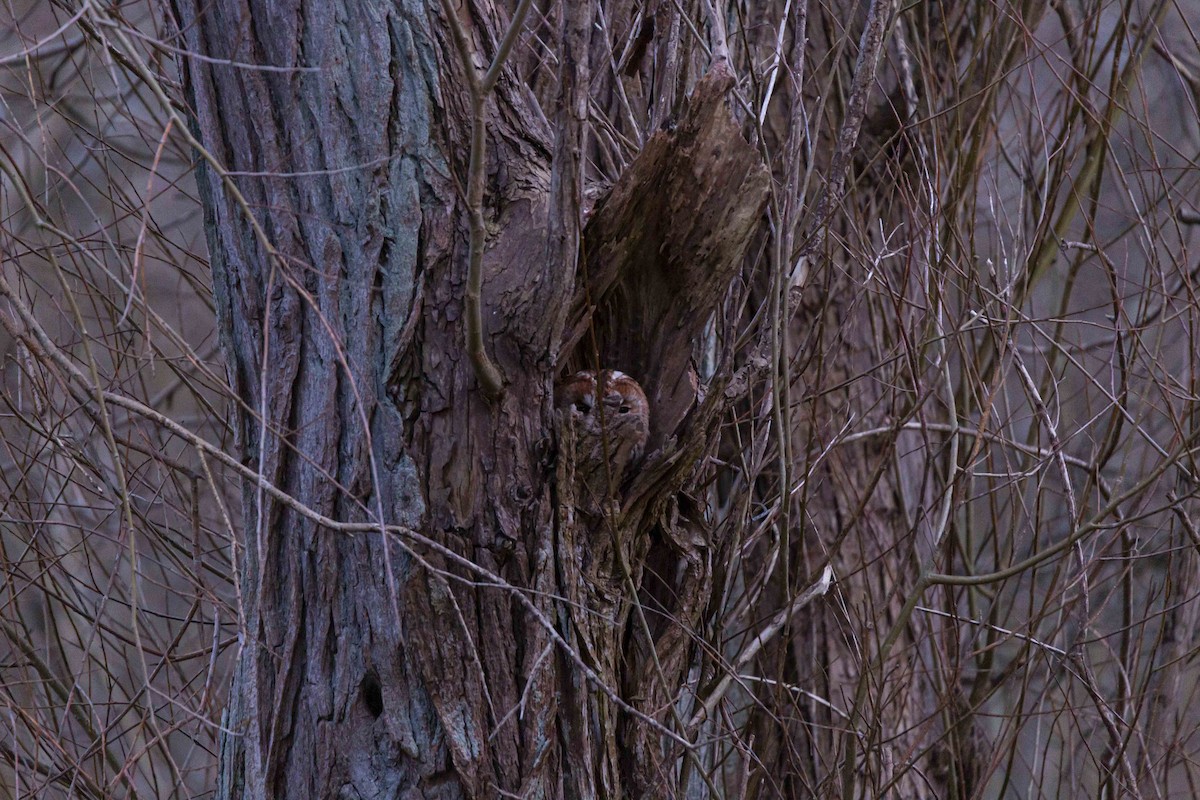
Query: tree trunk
[{"x": 475, "y": 647}]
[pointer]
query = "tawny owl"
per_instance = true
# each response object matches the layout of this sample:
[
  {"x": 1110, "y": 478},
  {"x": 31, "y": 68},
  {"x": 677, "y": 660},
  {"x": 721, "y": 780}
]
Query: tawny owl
[{"x": 611, "y": 403}]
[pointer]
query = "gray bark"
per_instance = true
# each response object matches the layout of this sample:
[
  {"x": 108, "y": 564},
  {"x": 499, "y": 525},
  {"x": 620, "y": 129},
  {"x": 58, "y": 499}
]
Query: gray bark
[{"x": 368, "y": 668}]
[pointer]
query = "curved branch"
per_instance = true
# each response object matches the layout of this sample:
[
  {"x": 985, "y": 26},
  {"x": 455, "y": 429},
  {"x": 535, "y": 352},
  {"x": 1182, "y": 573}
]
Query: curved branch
[{"x": 489, "y": 377}]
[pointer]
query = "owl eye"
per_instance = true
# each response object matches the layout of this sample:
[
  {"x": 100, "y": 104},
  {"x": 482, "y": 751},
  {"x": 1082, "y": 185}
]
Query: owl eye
[
  {"x": 625, "y": 409},
  {"x": 583, "y": 405}
]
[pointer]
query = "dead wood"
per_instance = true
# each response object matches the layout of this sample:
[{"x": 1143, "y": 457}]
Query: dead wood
[{"x": 659, "y": 253}]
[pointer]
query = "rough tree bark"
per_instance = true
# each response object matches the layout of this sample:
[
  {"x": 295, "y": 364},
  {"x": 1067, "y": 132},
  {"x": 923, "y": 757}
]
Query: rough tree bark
[{"x": 379, "y": 665}]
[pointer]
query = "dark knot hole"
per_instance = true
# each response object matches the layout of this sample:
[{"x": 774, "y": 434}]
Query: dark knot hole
[{"x": 372, "y": 694}]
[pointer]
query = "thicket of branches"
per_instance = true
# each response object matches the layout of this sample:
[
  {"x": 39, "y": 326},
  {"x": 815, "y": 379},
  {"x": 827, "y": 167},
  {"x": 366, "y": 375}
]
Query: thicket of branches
[{"x": 967, "y": 347}]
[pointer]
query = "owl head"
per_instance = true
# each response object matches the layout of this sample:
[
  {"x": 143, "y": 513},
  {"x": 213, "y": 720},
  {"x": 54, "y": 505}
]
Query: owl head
[{"x": 608, "y": 401}]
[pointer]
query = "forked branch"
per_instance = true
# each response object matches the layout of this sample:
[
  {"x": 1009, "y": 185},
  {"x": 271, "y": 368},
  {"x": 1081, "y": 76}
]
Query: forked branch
[{"x": 490, "y": 379}]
